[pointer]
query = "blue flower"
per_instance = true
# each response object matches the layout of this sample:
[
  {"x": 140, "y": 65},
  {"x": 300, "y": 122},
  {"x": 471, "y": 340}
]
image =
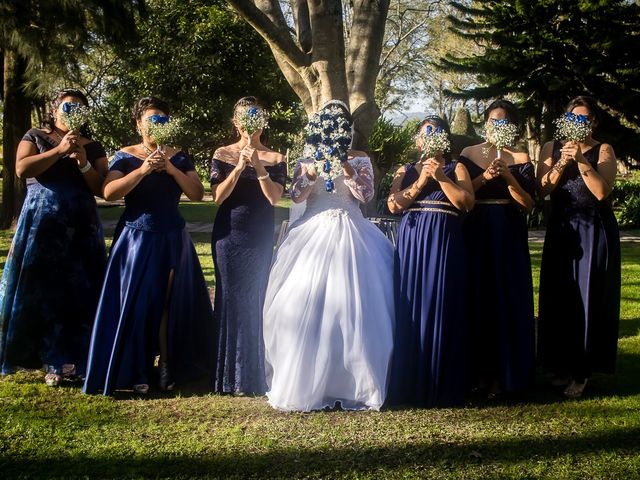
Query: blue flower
[
  {"x": 429, "y": 129},
  {"x": 328, "y": 185},
  {"x": 439, "y": 130},
  {"x": 252, "y": 111},
  {"x": 318, "y": 155},
  {"x": 582, "y": 118},
  {"x": 327, "y": 166},
  {"x": 159, "y": 119},
  {"x": 68, "y": 107},
  {"x": 502, "y": 121}
]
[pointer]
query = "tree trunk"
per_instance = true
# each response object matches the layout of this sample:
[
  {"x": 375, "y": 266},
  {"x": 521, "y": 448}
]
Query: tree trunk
[
  {"x": 317, "y": 61},
  {"x": 16, "y": 121}
]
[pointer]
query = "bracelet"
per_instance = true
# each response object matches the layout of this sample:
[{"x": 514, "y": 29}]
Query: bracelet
[
  {"x": 85, "y": 169},
  {"x": 263, "y": 177}
]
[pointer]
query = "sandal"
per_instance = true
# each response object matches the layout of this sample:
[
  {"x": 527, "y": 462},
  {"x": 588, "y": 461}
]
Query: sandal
[
  {"x": 141, "y": 388},
  {"x": 575, "y": 390},
  {"x": 52, "y": 379}
]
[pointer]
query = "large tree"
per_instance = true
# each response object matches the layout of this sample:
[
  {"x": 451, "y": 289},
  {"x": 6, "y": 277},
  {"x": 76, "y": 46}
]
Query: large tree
[
  {"x": 544, "y": 52},
  {"x": 40, "y": 38},
  {"x": 326, "y": 50}
]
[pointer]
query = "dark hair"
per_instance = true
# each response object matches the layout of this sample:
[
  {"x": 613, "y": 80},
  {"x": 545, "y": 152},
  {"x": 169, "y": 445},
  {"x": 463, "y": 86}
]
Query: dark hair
[
  {"x": 512, "y": 111},
  {"x": 248, "y": 101},
  {"x": 49, "y": 120},
  {"x": 590, "y": 103},
  {"x": 145, "y": 103},
  {"x": 439, "y": 122}
]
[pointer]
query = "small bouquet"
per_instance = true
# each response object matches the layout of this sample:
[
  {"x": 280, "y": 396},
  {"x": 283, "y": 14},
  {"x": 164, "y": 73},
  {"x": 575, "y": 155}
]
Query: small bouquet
[
  {"x": 572, "y": 127},
  {"x": 434, "y": 141},
  {"x": 75, "y": 115},
  {"x": 501, "y": 134},
  {"x": 328, "y": 137},
  {"x": 163, "y": 130},
  {"x": 252, "y": 119}
]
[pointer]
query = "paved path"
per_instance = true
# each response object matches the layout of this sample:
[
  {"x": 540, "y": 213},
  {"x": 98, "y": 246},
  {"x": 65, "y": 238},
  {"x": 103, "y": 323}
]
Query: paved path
[{"x": 535, "y": 236}]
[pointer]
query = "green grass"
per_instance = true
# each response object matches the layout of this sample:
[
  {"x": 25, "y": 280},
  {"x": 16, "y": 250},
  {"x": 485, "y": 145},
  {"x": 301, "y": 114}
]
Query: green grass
[{"x": 190, "y": 433}]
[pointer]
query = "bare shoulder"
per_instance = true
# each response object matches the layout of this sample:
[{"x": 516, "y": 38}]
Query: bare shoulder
[
  {"x": 226, "y": 154},
  {"x": 131, "y": 149},
  {"x": 520, "y": 157},
  {"x": 357, "y": 153},
  {"x": 472, "y": 151},
  {"x": 271, "y": 157},
  {"x": 607, "y": 150}
]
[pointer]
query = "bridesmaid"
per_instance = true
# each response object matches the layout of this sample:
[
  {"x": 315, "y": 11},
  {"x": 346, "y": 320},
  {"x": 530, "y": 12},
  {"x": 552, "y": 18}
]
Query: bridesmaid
[
  {"x": 53, "y": 273},
  {"x": 154, "y": 297},
  {"x": 500, "y": 289},
  {"x": 429, "y": 366},
  {"x": 580, "y": 272},
  {"x": 247, "y": 180}
]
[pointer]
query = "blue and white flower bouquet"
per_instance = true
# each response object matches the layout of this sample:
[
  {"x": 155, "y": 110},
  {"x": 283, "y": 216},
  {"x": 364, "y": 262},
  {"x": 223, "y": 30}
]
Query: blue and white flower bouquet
[
  {"x": 327, "y": 140},
  {"x": 572, "y": 127}
]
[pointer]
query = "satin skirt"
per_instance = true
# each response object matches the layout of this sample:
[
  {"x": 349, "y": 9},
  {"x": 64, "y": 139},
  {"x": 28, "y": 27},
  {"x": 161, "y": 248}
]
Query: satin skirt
[{"x": 124, "y": 342}]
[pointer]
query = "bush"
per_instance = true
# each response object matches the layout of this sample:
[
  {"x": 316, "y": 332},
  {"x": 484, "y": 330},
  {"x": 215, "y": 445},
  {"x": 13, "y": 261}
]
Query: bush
[{"x": 625, "y": 199}]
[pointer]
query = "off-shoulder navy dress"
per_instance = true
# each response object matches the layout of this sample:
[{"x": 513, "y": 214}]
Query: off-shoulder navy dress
[
  {"x": 152, "y": 242},
  {"x": 579, "y": 278},
  {"x": 242, "y": 247},
  {"x": 53, "y": 273},
  {"x": 430, "y": 340},
  {"x": 500, "y": 287}
]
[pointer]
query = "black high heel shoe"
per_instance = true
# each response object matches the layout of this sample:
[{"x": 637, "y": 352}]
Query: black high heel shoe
[{"x": 166, "y": 382}]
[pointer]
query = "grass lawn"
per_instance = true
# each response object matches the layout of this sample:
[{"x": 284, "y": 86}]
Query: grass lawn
[{"x": 189, "y": 433}]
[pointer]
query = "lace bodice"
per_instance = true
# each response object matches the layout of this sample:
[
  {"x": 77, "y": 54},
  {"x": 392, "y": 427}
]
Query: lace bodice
[{"x": 347, "y": 195}]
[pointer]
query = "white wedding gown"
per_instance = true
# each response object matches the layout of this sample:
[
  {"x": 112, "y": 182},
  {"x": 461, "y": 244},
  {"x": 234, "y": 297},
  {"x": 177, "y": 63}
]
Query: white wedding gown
[{"x": 328, "y": 314}]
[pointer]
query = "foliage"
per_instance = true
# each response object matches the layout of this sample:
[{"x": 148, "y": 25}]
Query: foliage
[
  {"x": 200, "y": 57},
  {"x": 543, "y": 53},
  {"x": 391, "y": 144},
  {"x": 625, "y": 199}
]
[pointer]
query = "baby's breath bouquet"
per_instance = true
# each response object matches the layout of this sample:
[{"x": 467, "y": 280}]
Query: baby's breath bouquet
[
  {"x": 75, "y": 115},
  {"x": 501, "y": 133},
  {"x": 328, "y": 136},
  {"x": 434, "y": 141},
  {"x": 252, "y": 118},
  {"x": 572, "y": 127},
  {"x": 163, "y": 130}
]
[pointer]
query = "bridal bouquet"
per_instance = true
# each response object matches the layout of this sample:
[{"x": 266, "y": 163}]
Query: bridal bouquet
[
  {"x": 501, "y": 134},
  {"x": 75, "y": 115},
  {"x": 572, "y": 127},
  {"x": 327, "y": 140},
  {"x": 434, "y": 141},
  {"x": 252, "y": 119},
  {"x": 163, "y": 130}
]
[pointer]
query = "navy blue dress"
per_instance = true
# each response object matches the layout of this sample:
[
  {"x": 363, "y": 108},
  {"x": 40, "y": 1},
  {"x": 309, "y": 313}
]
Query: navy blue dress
[
  {"x": 429, "y": 361},
  {"x": 579, "y": 279},
  {"x": 500, "y": 288},
  {"x": 152, "y": 242},
  {"x": 242, "y": 247},
  {"x": 53, "y": 273}
]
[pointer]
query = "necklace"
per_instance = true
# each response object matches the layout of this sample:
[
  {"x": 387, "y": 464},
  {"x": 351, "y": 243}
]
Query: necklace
[{"x": 147, "y": 150}]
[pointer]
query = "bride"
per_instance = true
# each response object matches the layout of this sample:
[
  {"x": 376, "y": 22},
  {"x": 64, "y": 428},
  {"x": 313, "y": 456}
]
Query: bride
[{"x": 329, "y": 304}]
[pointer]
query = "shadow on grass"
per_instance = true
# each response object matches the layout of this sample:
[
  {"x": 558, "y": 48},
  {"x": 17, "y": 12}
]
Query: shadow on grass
[
  {"x": 518, "y": 452},
  {"x": 629, "y": 328}
]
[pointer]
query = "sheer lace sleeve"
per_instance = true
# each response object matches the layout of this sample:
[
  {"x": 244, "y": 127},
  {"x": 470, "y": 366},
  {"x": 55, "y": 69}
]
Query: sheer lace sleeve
[
  {"x": 361, "y": 184},
  {"x": 300, "y": 186}
]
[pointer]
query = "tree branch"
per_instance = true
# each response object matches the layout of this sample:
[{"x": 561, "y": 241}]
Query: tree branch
[{"x": 278, "y": 37}]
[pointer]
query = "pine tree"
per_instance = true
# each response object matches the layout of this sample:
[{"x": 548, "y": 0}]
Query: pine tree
[{"x": 542, "y": 53}]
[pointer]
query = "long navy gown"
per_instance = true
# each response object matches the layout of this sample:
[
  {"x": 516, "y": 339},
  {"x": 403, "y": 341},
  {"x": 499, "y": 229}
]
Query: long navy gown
[
  {"x": 242, "y": 247},
  {"x": 500, "y": 288},
  {"x": 429, "y": 361},
  {"x": 579, "y": 279},
  {"x": 54, "y": 270},
  {"x": 152, "y": 241}
]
